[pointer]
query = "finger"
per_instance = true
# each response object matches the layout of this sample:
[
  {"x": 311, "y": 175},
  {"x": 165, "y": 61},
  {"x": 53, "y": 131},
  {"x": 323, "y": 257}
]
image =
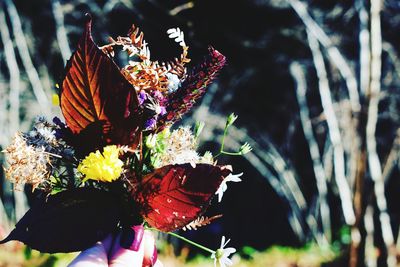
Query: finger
[
  {"x": 131, "y": 237},
  {"x": 95, "y": 256},
  {"x": 121, "y": 257},
  {"x": 150, "y": 250}
]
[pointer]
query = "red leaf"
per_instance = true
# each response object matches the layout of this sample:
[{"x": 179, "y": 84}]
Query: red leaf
[
  {"x": 94, "y": 91},
  {"x": 174, "y": 195}
]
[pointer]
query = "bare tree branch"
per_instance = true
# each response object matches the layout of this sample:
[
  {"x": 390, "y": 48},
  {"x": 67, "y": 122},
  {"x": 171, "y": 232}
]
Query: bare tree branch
[
  {"x": 295, "y": 214},
  {"x": 14, "y": 73},
  {"x": 23, "y": 50},
  {"x": 334, "y": 132},
  {"x": 370, "y": 254},
  {"x": 388, "y": 48},
  {"x": 374, "y": 163},
  {"x": 60, "y": 30},
  {"x": 364, "y": 39},
  {"x": 336, "y": 57},
  {"x": 13, "y": 125},
  {"x": 319, "y": 172},
  {"x": 392, "y": 159}
]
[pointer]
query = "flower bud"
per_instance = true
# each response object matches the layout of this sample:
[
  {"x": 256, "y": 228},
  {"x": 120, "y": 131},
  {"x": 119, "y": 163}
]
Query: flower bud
[
  {"x": 151, "y": 141},
  {"x": 231, "y": 119}
]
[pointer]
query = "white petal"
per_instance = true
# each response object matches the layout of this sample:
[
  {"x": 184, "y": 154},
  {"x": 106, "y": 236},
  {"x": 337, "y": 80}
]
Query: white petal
[
  {"x": 234, "y": 177},
  {"x": 172, "y": 30},
  {"x": 227, "y": 261},
  {"x": 224, "y": 186},
  {"x": 220, "y": 193},
  {"x": 222, "y": 242},
  {"x": 228, "y": 251},
  {"x": 226, "y": 243}
]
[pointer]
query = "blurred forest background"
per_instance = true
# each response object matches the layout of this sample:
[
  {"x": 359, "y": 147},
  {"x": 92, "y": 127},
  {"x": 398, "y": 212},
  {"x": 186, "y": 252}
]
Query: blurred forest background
[{"x": 315, "y": 84}]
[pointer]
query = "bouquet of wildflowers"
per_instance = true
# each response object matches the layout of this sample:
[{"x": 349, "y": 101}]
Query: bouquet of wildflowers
[{"x": 116, "y": 163}]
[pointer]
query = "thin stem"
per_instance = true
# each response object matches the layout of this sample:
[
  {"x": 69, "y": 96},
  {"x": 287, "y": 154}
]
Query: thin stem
[
  {"x": 52, "y": 154},
  {"x": 230, "y": 153},
  {"x": 223, "y": 139},
  {"x": 186, "y": 240},
  {"x": 221, "y": 151}
]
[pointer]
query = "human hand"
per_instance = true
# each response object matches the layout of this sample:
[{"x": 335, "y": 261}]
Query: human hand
[{"x": 109, "y": 253}]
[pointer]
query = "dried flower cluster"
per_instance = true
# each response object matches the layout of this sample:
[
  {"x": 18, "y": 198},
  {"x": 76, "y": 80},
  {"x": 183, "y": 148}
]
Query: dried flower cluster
[
  {"x": 32, "y": 156},
  {"x": 176, "y": 147},
  {"x": 153, "y": 80},
  {"x": 26, "y": 163}
]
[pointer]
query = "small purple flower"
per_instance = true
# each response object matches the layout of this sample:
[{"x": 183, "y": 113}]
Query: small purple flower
[
  {"x": 58, "y": 122},
  {"x": 150, "y": 124},
  {"x": 163, "y": 111},
  {"x": 158, "y": 95},
  {"x": 142, "y": 97},
  {"x": 59, "y": 131}
]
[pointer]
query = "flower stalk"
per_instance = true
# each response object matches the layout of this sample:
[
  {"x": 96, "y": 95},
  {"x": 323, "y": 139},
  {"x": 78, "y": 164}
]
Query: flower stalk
[{"x": 186, "y": 240}]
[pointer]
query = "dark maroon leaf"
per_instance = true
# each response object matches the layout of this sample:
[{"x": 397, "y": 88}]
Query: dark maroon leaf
[
  {"x": 69, "y": 221},
  {"x": 175, "y": 195}
]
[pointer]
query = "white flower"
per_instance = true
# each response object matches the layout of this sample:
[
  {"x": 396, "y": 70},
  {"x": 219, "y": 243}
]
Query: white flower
[
  {"x": 178, "y": 35},
  {"x": 223, "y": 187},
  {"x": 173, "y": 82},
  {"x": 222, "y": 254}
]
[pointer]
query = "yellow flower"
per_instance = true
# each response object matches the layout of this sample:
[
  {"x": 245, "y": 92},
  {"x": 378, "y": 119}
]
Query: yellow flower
[{"x": 105, "y": 167}]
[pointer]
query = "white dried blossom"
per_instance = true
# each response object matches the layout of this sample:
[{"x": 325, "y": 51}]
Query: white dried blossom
[
  {"x": 173, "y": 82},
  {"x": 42, "y": 134},
  {"x": 26, "y": 164},
  {"x": 180, "y": 148},
  {"x": 207, "y": 158}
]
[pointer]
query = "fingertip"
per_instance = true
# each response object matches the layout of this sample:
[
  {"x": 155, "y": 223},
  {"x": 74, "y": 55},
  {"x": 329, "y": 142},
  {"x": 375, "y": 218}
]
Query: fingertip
[
  {"x": 150, "y": 250},
  {"x": 132, "y": 237},
  {"x": 122, "y": 257}
]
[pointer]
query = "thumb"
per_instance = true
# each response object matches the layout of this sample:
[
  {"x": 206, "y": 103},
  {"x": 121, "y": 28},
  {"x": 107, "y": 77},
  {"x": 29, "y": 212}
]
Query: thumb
[{"x": 95, "y": 256}]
